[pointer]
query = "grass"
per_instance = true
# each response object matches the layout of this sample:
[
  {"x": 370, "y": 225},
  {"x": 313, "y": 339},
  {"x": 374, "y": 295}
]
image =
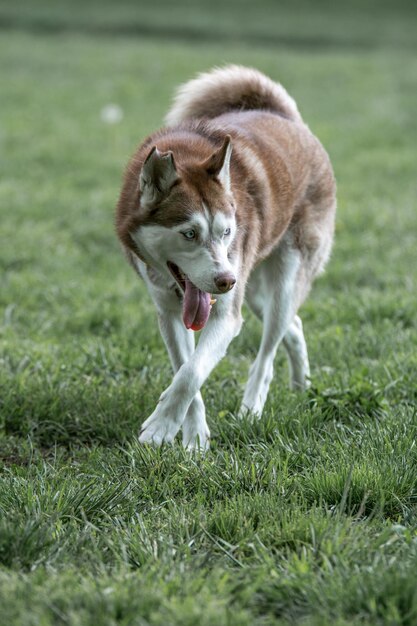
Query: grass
[{"x": 308, "y": 517}]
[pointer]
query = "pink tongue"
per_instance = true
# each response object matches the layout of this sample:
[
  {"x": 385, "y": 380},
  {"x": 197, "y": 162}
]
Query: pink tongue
[{"x": 196, "y": 306}]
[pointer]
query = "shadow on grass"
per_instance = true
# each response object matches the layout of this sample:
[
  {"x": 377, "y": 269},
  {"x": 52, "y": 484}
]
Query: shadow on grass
[{"x": 68, "y": 417}]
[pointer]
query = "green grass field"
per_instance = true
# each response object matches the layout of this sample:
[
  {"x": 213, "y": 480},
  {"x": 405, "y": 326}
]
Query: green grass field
[{"x": 308, "y": 517}]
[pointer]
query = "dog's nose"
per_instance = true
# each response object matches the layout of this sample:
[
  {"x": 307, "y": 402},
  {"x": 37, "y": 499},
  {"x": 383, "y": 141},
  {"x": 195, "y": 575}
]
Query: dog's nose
[{"x": 224, "y": 282}]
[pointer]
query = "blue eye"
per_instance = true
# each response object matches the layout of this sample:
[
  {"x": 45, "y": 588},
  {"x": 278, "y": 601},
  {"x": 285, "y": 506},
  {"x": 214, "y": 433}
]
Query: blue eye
[
  {"x": 189, "y": 234},
  {"x": 226, "y": 232}
]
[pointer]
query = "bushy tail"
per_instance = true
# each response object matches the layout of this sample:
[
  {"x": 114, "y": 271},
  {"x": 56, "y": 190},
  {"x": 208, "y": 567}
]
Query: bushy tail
[{"x": 229, "y": 89}]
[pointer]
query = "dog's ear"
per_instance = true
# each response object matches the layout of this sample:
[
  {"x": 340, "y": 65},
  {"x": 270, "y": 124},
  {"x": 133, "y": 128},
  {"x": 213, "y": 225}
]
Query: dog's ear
[
  {"x": 218, "y": 164},
  {"x": 157, "y": 176}
]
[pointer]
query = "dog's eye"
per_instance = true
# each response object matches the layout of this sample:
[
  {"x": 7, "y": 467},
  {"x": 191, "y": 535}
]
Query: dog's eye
[
  {"x": 189, "y": 234},
  {"x": 226, "y": 232}
]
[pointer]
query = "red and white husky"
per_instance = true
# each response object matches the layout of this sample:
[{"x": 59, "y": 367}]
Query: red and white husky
[{"x": 234, "y": 199}]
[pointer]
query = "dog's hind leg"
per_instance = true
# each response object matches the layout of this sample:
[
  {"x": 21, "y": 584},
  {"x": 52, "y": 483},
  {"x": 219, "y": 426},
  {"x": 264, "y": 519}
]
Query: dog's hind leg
[
  {"x": 277, "y": 286},
  {"x": 296, "y": 349}
]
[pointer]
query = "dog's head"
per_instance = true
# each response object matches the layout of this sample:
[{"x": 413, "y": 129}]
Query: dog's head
[{"x": 188, "y": 223}]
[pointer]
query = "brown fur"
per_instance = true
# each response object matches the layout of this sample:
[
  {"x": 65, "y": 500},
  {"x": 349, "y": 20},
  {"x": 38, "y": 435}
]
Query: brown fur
[{"x": 281, "y": 178}]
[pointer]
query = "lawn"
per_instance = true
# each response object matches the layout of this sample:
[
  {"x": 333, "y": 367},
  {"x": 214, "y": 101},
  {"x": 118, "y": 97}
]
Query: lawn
[{"x": 307, "y": 517}]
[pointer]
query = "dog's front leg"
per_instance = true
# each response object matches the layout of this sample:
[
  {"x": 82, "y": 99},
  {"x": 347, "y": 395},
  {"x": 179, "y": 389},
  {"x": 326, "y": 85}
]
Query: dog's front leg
[
  {"x": 164, "y": 423},
  {"x": 180, "y": 345}
]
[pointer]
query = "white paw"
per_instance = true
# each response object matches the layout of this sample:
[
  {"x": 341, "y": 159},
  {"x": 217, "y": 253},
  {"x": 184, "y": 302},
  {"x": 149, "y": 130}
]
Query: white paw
[
  {"x": 196, "y": 438},
  {"x": 158, "y": 428},
  {"x": 195, "y": 432},
  {"x": 251, "y": 413},
  {"x": 300, "y": 384}
]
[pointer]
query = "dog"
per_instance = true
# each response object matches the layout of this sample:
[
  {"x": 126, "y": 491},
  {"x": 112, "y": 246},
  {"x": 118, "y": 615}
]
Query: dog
[{"x": 234, "y": 199}]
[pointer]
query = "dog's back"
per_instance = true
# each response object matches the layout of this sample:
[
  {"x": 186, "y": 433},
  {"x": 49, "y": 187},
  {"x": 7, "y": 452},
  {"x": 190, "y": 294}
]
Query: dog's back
[{"x": 281, "y": 172}]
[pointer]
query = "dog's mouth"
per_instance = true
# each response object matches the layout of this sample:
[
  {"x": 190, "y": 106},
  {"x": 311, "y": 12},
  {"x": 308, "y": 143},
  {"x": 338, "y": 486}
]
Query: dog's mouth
[{"x": 196, "y": 304}]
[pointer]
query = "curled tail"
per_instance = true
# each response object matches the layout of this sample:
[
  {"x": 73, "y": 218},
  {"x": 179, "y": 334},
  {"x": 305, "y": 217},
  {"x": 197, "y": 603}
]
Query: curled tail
[{"x": 232, "y": 88}]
